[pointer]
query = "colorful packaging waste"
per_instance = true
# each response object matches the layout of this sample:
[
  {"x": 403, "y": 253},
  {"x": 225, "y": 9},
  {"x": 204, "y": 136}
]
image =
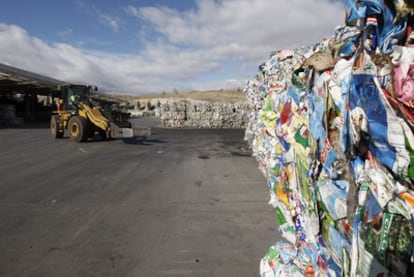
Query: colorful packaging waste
[{"x": 332, "y": 131}]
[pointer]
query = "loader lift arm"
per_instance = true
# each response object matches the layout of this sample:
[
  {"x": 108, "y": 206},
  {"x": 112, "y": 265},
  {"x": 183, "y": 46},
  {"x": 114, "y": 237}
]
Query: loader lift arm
[{"x": 95, "y": 116}]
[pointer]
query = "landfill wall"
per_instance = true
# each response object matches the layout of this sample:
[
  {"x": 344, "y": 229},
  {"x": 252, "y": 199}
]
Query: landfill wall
[
  {"x": 189, "y": 113},
  {"x": 332, "y": 131}
]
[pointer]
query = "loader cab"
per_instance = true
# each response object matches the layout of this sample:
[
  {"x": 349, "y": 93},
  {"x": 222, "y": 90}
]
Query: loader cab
[{"x": 73, "y": 94}]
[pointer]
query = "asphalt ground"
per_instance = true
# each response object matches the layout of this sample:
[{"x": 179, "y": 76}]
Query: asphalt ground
[{"x": 180, "y": 203}]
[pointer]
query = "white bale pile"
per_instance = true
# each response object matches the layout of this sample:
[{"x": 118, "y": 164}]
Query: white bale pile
[{"x": 188, "y": 113}]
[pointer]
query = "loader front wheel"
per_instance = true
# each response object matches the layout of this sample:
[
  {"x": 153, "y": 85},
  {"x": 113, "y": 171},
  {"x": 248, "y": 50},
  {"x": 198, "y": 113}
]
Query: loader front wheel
[
  {"x": 54, "y": 127},
  {"x": 77, "y": 127}
]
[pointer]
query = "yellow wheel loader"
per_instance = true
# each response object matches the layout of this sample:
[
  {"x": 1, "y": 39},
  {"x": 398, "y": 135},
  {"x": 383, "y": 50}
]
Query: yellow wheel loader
[{"x": 83, "y": 115}]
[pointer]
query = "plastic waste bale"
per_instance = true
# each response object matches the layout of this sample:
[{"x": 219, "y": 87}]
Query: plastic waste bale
[{"x": 331, "y": 128}]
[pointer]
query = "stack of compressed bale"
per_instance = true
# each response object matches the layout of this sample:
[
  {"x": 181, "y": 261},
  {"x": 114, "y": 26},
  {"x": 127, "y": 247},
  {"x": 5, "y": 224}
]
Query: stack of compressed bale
[
  {"x": 188, "y": 113},
  {"x": 173, "y": 112},
  {"x": 235, "y": 115},
  {"x": 332, "y": 131},
  {"x": 201, "y": 114},
  {"x": 208, "y": 114}
]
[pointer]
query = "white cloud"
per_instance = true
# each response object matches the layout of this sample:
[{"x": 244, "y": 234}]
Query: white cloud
[
  {"x": 65, "y": 33},
  {"x": 246, "y": 28},
  {"x": 105, "y": 19},
  {"x": 181, "y": 47},
  {"x": 109, "y": 21}
]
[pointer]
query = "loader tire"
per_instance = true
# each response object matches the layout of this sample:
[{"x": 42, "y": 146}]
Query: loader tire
[
  {"x": 54, "y": 127},
  {"x": 78, "y": 128}
]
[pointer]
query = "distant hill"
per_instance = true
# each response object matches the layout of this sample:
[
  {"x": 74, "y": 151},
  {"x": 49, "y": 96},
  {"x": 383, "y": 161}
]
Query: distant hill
[{"x": 210, "y": 95}]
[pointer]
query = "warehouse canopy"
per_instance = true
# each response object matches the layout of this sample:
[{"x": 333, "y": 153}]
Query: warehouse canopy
[{"x": 15, "y": 80}]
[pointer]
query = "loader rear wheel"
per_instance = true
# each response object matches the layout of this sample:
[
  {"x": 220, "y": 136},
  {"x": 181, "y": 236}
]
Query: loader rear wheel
[
  {"x": 77, "y": 127},
  {"x": 54, "y": 127}
]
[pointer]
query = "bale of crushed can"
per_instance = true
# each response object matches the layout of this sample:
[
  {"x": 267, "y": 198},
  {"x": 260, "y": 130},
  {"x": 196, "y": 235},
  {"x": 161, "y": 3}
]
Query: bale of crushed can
[
  {"x": 332, "y": 131},
  {"x": 189, "y": 113}
]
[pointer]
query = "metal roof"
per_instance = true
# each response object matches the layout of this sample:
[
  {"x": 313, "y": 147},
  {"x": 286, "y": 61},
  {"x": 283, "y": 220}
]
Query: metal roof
[{"x": 15, "y": 80}]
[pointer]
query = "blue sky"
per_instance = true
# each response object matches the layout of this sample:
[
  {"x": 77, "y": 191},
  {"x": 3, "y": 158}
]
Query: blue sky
[{"x": 143, "y": 47}]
